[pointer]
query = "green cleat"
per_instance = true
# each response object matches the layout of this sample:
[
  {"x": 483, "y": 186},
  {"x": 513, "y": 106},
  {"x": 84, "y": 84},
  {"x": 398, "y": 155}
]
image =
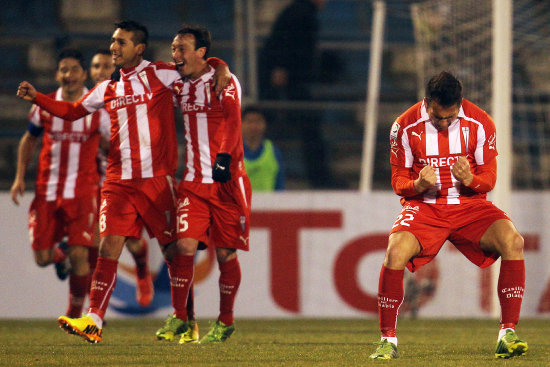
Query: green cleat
[
  {"x": 192, "y": 333},
  {"x": 510, "y": 346},
  {"x": 173, "y": 327},
  {"x": 385, "y": 350},
  {"x": 218, "y": 333}
]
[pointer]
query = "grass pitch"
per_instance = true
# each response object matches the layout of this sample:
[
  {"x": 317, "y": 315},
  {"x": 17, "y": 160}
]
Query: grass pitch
[{"x": 299, "y": 342}]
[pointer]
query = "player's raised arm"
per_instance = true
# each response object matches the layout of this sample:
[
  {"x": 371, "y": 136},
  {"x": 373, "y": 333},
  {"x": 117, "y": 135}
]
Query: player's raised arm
[
  {"x": 65, "y": 110},
  {"x": 26, "y": 91}
]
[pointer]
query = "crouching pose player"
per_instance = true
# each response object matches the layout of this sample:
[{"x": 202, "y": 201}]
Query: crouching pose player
[
  {"x": 139, "y": 186},
  {"x": 214, "y": 195},
  {"x": 443, "y": 158}
]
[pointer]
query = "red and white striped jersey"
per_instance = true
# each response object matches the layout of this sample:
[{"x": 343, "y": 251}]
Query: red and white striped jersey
[
  {"x": 143, "y": 140},
  {"x": 67, "y": 165},
  {"x": 415, "y": 143},
  {"x": 212, "y": 126}
]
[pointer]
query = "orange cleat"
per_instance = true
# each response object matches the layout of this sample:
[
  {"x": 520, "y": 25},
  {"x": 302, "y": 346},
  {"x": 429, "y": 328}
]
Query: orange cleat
[{"x": 145, "y": 290}]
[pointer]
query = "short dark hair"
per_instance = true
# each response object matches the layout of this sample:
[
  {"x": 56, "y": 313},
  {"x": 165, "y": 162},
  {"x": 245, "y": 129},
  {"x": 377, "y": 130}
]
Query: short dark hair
[
  {"x": 141, "y": 35},
  {"x": 73, "y": 54},
  {"x": 445, "y": 89},
  {"x": 102, "y": 51},
  {"x": 252, "y": 109},
  {"x": 201, "y": 34}
]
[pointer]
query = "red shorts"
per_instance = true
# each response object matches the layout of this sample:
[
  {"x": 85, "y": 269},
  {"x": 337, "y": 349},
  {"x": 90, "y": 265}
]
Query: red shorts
[
  {"x": 216, "y": 214},
  {"x": 50, "y": 221},
  {"x": 128, "y": 206},
  {"x": 139, "y": 222},
  {"x": 463, "y": 225}
]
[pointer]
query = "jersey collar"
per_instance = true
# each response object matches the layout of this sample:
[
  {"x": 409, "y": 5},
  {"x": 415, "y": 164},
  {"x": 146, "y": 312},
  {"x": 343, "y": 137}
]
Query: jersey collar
[{"x": 126, "y": 73}]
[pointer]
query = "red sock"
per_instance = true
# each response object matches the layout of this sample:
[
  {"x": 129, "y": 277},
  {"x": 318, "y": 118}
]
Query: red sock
[
  {"x": 78, "y": 286},
  {"x": 141, "y": 260},
  {"x": 58, "y": 255},
  {"x": 93, "y": 252},
  {"x": 511, "y": 284},
  {"x": 103, "y": 284},
  {"x": 181, "y": 270},
  {"x": 390, "y": 297},
  {"x": 230, "y": 279},
  {"x": 191, "y": 304}
]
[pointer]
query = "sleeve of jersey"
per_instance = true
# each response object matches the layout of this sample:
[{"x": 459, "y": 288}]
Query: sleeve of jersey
[
  {"x": 401, "y": 181},
  {"x": 67, "y": 110},
  {"x": 215, "y": 62},
  {"x": 232, "y": 114},
  {"x": 485, "y": 177}
]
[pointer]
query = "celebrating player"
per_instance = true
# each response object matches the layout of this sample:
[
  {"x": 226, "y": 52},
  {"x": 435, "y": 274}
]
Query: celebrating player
[
  {"x": 139, "y": 186},
  {"x": 214, "y": 195},
  {"x": 65, "y": 202},
  {"x": 443, "y": 157},
  {"x": 101, "y": 68}
]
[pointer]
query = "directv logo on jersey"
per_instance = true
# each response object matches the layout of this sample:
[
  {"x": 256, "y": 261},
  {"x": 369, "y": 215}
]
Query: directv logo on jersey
[
  {"x": 130, "y": 99},
  {"x": 190, "y": 107},
  {"x": 439, "y": 161}
]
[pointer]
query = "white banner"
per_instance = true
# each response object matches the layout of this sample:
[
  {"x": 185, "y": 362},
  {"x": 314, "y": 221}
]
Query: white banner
[{"x": 312, "y": 254}]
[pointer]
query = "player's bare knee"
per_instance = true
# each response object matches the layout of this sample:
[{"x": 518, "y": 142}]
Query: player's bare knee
[
  {"x": 186, "y": 247},
  {"x": 42, "y": 262},
  {"x": 225, "y": 254},
  {"x": 396, "y": 256},
  {"x": 43, "y": 258},
  {"x": 512, "y": 248}
]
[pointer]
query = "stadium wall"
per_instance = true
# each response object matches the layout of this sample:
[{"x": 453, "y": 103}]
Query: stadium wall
[{"x": 313, "y": 254}]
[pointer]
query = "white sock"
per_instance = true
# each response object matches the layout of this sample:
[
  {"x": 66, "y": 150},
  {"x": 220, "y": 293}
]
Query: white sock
[
  {"x": 502, "y": 332},
  {"x": 391, "y": 339},
  {"x": 98, "y": 320}
]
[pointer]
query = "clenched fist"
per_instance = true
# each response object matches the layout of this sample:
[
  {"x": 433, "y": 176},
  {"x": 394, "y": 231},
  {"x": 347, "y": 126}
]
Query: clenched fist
[
  {"x": 462, "y": 172},
  {"x": 26, "y": 91},
  {"x": 426, "y": 179}
]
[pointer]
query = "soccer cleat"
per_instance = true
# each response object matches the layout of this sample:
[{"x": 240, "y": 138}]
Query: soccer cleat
[
  {"x": 173, "y": 327},
  {"x": 63, "y": 269},
  {"x": 218, "y": 333},
  {"x": 83, "y": 326},
  {"x": 510, "y": 346},
  {"x": 145, "y": 290},
  {"x": 192, "y": 333},
  {"x": 385, "y": 350}
]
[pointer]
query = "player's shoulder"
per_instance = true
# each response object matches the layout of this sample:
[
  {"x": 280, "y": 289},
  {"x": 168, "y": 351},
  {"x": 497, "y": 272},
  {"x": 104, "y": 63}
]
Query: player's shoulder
[
  {"x": 473, "y": 111},
  {"x": 161, "y": 65},
  {"x": 411, "y": 115}
]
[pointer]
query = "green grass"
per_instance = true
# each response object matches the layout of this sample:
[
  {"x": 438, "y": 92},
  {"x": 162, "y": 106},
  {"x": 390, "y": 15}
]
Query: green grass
[{"x": 303, "y": 342}]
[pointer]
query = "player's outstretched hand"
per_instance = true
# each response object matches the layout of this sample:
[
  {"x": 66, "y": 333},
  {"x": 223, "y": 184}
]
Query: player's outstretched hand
[
  {"x": 221, "y": 78},
  {"x": 462, "y": 172},
  {"x": 220, "y": 171},
  {"x": 17, "y": 189},
  {"x": 426, "y": 179},
  {"x": 26, "y": 91}
]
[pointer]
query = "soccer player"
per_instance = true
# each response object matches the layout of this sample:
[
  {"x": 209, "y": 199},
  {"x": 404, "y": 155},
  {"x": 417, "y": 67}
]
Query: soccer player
[
  {"x": 139, "y": 186},
  {"x": 443, "y": 158},
  {"x": 65, "y": 202},
  {"x": 214, "y": 195},
  {"x": 101, "y": 68},
  {"x": 262, "y": 159}
]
